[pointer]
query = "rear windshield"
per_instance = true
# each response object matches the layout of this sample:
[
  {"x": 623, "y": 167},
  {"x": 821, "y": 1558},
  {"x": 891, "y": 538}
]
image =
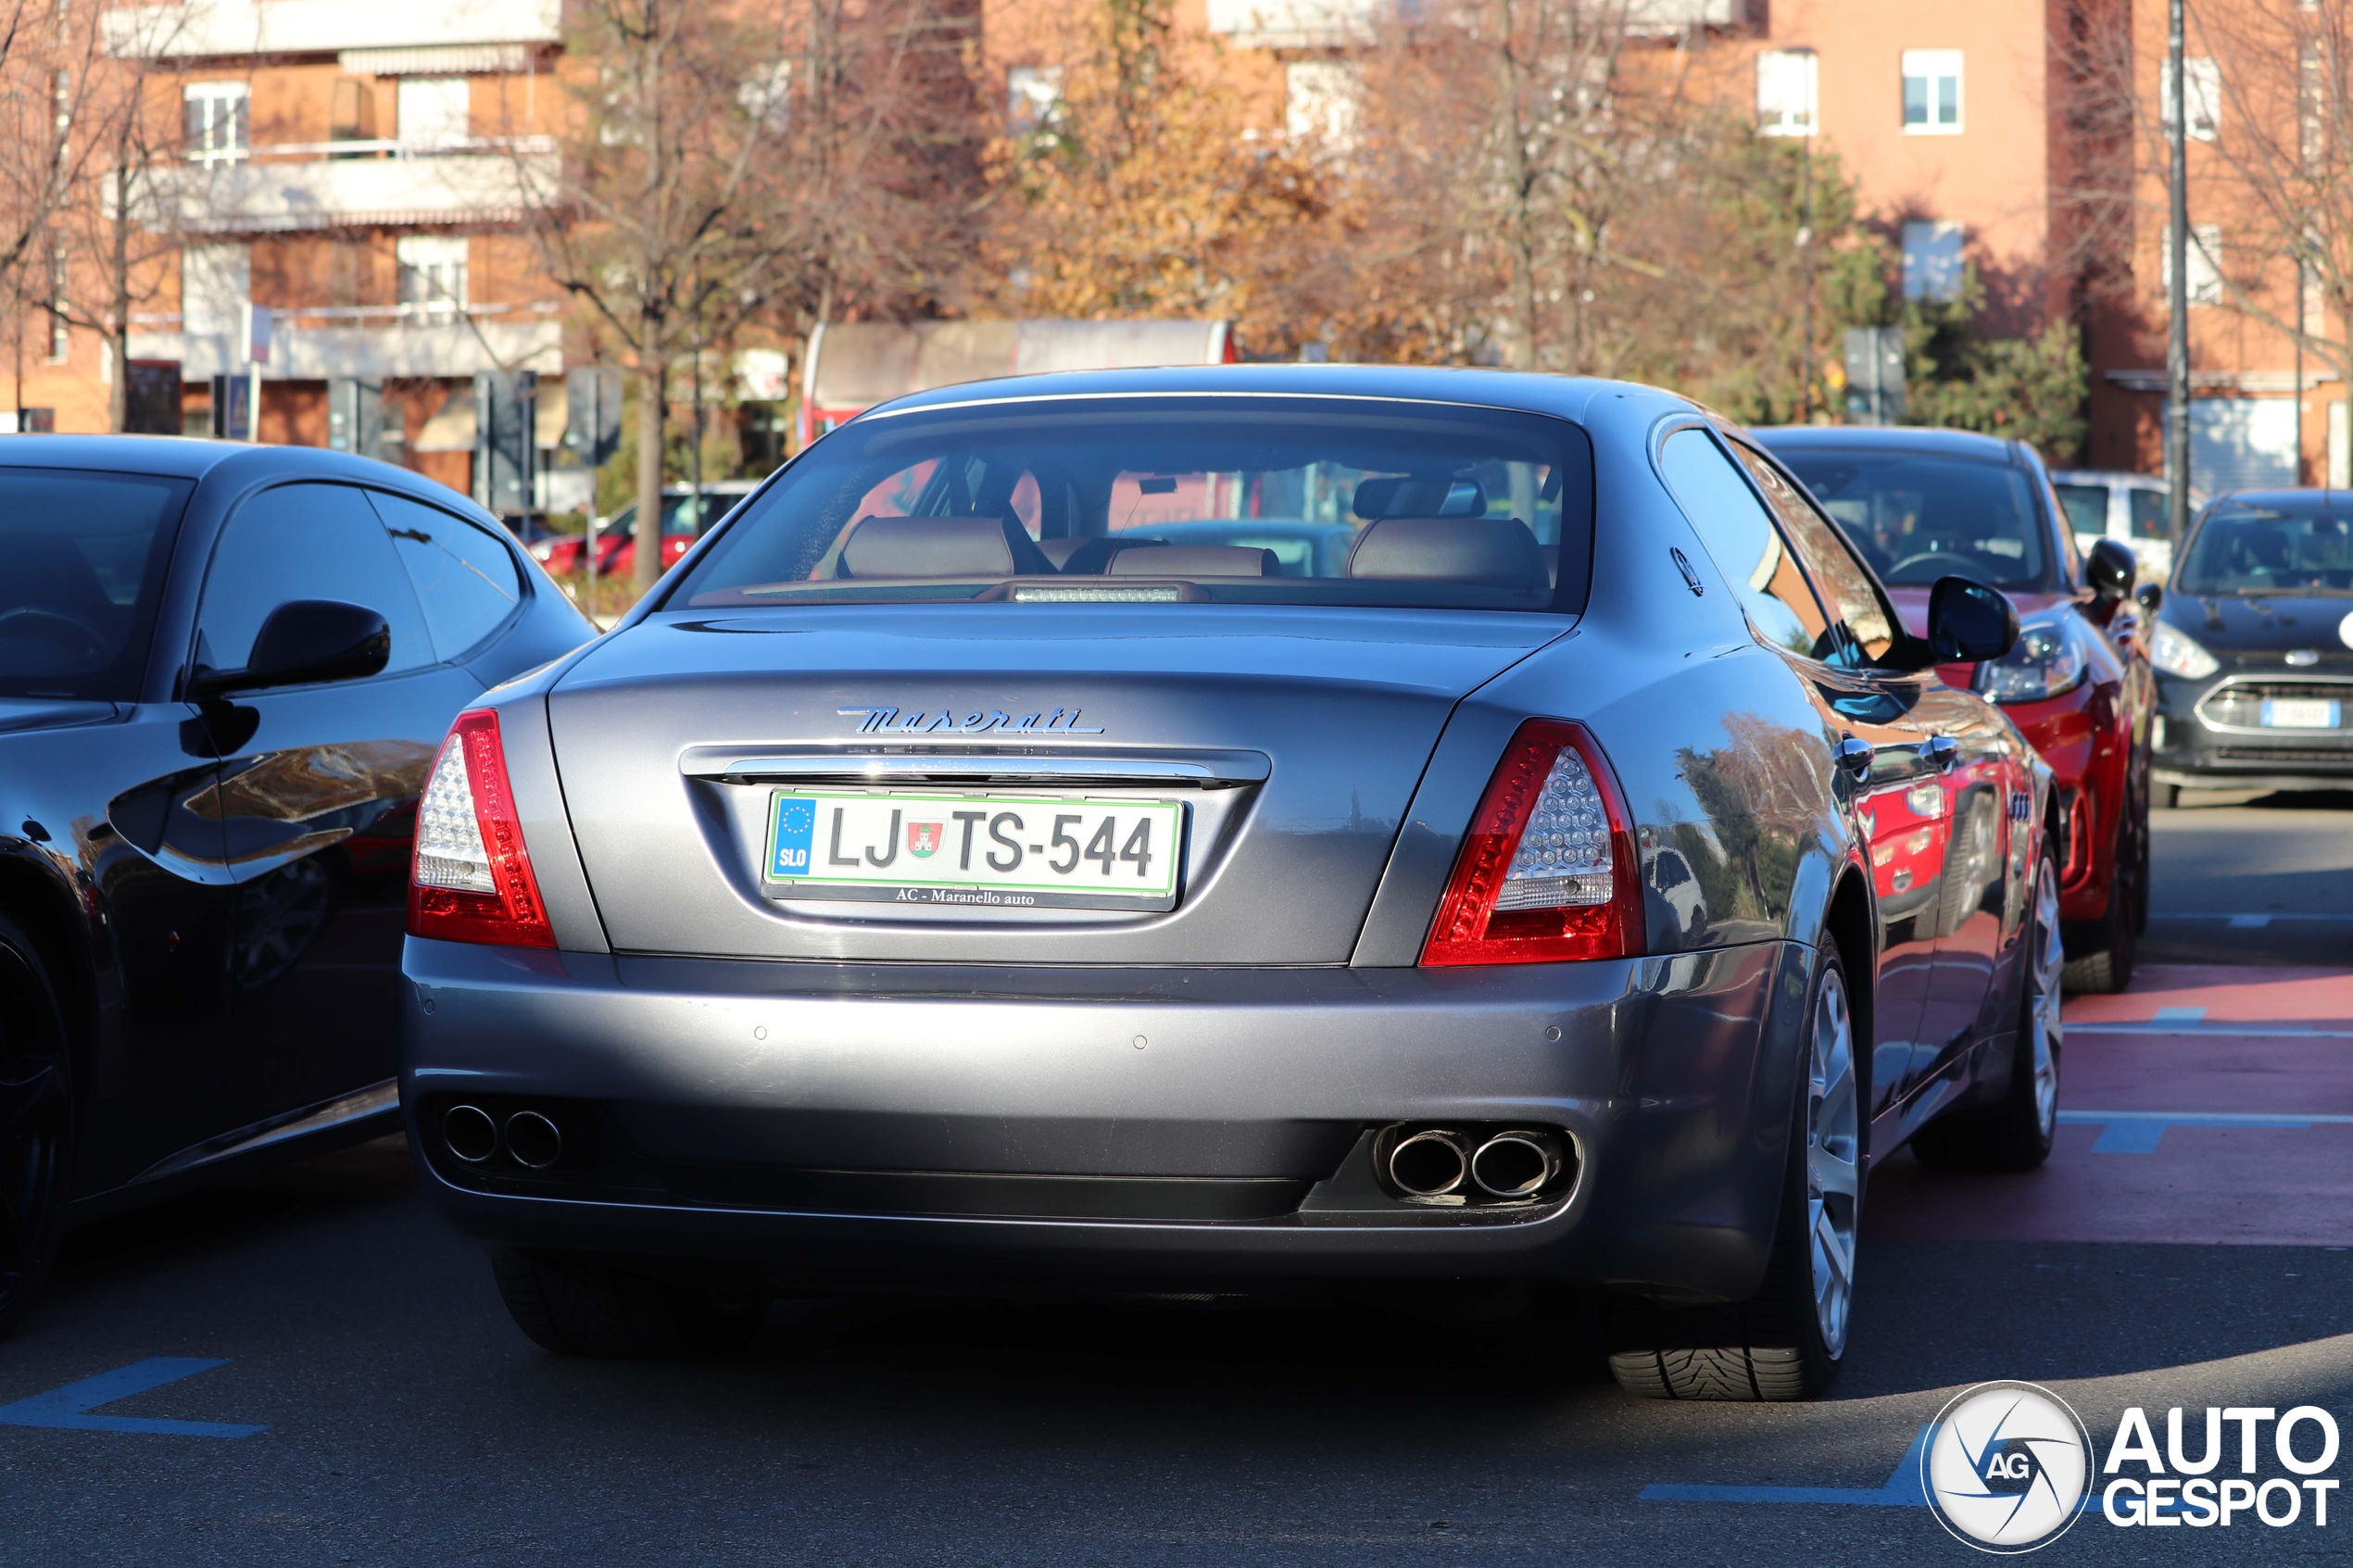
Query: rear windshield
[
  {"x": 1920, "y": 516},
  {"x": 2270, "y": 550},
  {"x": 1142, "y": 500},
  {"x": 84, "y": 558}
]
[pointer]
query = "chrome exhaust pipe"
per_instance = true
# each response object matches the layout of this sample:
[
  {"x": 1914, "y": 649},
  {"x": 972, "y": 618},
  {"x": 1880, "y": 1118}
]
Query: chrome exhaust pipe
[
  {"x": 1515, "y": 1164},
  {"x": 1429, "y": 1164},
  {"x": 536, "y": 1142},
  {"x": 470, "y": 1132}
]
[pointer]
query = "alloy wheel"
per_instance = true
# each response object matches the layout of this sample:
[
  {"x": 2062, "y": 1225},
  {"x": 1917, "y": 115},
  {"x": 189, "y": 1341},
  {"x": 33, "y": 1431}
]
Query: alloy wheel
[
  {"x": 1834, "y": 1174},
  {"x": 2042, "y": 998}
]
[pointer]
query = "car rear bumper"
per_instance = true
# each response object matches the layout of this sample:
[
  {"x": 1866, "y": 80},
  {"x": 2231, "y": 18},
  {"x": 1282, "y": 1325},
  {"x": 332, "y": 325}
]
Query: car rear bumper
[{"x": 813, "y": 1119}]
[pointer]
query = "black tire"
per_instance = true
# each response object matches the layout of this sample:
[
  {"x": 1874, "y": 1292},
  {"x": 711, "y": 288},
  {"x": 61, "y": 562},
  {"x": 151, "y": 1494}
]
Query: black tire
[
  {"x": 2101, "y": 960},
  {"x": 2014, "y": 1133},
  {"x": 577, "y": 1308},
  {"x": 37, "y": 1123},
  {"x": 1774, "y": 1346}
]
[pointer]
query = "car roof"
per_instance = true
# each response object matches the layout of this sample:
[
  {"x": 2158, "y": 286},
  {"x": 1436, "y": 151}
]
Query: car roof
[
  {"x": 1566, "y": 396},
  {"x": 176, "y": 455},
  {"x": 1894, "y": 438}
]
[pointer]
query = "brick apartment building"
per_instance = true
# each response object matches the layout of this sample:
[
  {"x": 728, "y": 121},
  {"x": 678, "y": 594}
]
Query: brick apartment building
[{"x": 353, "y": 169}]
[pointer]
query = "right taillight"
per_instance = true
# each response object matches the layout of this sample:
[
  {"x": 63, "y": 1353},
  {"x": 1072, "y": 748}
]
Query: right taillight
[
  {"x": 1548, "y": 871},
  {"x": 470, "y": 880}
]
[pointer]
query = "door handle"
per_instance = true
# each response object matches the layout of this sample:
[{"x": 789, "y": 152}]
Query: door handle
[
  {"x": 1941, "y": 750},
  {"x": 1855, "y": 756}
]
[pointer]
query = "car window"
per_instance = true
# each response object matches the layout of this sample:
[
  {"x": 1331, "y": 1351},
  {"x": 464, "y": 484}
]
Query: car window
[
  {"x": 1919, "y": 516},
  {"x": 466, "y": 580},
  {"x": 2152, "y": 514},
  {"x": 305, "y": 542},
  {"x": 1840, "y": 577},
  {"x": 84, "y": 557},
  {"x": 1748, "y": 549},
  {"x": 2264, "y": 551},
  {"x": 1181, "y": 499},
  {"x": 2086, "y": 507}
]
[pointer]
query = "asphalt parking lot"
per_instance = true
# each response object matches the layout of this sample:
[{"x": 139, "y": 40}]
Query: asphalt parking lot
[{"x": 2187, "y": 1245}]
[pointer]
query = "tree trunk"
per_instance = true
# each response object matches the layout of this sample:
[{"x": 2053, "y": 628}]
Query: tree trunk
[{"x": 653, "y": 376}]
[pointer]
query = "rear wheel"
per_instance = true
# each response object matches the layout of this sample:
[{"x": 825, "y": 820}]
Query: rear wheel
[
  {"x": 1785, "y": 1341},
  {"x": 36, "y": 1123},
  {"x": 578, "y": 1308},
  {"x": 2015, "y": 1134}
]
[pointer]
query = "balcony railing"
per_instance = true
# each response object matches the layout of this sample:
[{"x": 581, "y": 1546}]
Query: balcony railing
[
  {"x": 314, "y": 342},
  {"x": 294, "y": 187}
]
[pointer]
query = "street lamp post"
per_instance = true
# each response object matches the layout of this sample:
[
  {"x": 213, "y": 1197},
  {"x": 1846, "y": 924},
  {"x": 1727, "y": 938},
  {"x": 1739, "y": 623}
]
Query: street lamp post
[{"x": 2177, "y": 237}]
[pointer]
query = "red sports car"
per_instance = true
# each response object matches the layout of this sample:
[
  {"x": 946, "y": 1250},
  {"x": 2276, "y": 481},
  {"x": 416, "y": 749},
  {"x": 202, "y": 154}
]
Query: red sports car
[{"x": 1925, "y": 504}]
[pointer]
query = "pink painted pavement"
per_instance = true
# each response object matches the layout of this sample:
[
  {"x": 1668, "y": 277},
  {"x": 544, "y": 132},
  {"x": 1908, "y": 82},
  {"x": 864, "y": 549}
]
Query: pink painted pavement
[{"x": 2200, "y": 1184}]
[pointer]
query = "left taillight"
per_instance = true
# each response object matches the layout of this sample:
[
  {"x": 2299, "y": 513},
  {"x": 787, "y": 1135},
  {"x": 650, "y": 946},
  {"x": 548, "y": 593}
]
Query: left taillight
[
  {"x": 1548, "y": 871},
  {"x": 470, "y": 880}
]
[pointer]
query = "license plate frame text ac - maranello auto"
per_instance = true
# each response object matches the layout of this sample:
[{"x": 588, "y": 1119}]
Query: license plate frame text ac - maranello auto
[{"x": 977, "y": 850}]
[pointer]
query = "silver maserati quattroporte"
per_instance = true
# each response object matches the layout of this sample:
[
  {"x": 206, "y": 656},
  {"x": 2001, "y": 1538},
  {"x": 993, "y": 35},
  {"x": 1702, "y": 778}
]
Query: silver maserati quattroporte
[{"x": 1228, "y": 829}]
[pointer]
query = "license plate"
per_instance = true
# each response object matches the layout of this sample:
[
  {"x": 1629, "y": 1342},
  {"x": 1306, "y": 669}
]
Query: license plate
[
  {"x": 2299, "y": 713},
  {"x": 981, "y": 851}
]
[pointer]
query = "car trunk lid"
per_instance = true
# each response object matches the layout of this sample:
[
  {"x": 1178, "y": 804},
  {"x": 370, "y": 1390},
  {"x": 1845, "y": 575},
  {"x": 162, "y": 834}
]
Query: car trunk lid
[{"x": 1287, "y": 740}]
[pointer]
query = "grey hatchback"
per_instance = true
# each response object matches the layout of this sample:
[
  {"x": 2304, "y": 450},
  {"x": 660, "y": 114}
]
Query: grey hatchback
[{"x": 957, "y": 876}]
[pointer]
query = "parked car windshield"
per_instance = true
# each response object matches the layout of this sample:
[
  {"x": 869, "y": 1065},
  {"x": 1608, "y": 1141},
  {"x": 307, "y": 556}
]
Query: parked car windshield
[
  {"x": 2271, "y": 549},
  {"x": 1264, "y": 500},
  {"x": 86, "y": 555},
  {"x": 1919, "y": 516}
]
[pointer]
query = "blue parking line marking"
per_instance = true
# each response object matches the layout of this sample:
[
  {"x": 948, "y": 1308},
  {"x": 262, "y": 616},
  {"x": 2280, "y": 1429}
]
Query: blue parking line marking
[
  {"x": 68, "y": 1408},
  {"x": 1901, "y": 1490},
  {"x": 2137, "y": 1132},
  {"x": 2178, "y": 1015}
]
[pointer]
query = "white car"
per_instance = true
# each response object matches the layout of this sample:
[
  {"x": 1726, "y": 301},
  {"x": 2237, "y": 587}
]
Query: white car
[{"x": 2134, "y": 508}]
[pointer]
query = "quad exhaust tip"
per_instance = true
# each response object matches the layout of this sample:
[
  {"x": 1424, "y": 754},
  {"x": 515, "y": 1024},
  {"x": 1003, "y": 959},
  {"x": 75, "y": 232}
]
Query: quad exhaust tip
[
  {"x": 1512, "y": 1164},
  {"x": 1515, "y": 1164},
  {"x": 534, "y": 1141},
  {"x": 1429, "y": 1164},
  {"x": 472, "y": 1136}
]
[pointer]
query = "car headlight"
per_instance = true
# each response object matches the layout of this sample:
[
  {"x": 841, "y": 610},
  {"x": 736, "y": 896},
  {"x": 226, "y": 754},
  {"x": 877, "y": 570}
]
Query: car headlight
[
  {"x": 542, "y": 548},
  {"x": 2050, "y": 659},
  {"x": 2177, "y": 652}
]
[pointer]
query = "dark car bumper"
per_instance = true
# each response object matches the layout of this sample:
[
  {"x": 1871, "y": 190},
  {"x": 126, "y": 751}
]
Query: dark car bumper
[
  {"x": 814, "y": 1120},
  {"x": 2211, "y": 735}
]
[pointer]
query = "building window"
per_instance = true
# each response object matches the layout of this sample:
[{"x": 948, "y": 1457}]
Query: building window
[
  {"x": 216, "y": 121},
  {"x": 1033, "y": 97},
  {"x": 433, "y": 273},
  {"x": 435, "y": 110},
  {"x": 1933, "y": 261},
  {"x": 2206, "y": 263},
  {"x": 1785, "y": 93},
  {"x": 351, "y": 111},
  {"x": 2202, "y": 81},
  {"x": 1319, "y": 102},
  {"x": 1932, "y": 92},
  {"x": 60, "y": 335}
]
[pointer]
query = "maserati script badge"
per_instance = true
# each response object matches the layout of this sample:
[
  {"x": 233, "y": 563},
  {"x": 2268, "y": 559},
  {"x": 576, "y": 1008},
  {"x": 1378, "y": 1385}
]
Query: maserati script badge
[{"x": 925, "y": 721}]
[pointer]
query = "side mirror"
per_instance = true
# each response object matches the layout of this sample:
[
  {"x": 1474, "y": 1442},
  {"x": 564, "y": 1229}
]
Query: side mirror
[
  {"x": 305, "y": 641},
  {"x": 2110, "y": 568},
  {"x": 1968, "y": 623},
  {"x": 2152, "y": 597}
]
